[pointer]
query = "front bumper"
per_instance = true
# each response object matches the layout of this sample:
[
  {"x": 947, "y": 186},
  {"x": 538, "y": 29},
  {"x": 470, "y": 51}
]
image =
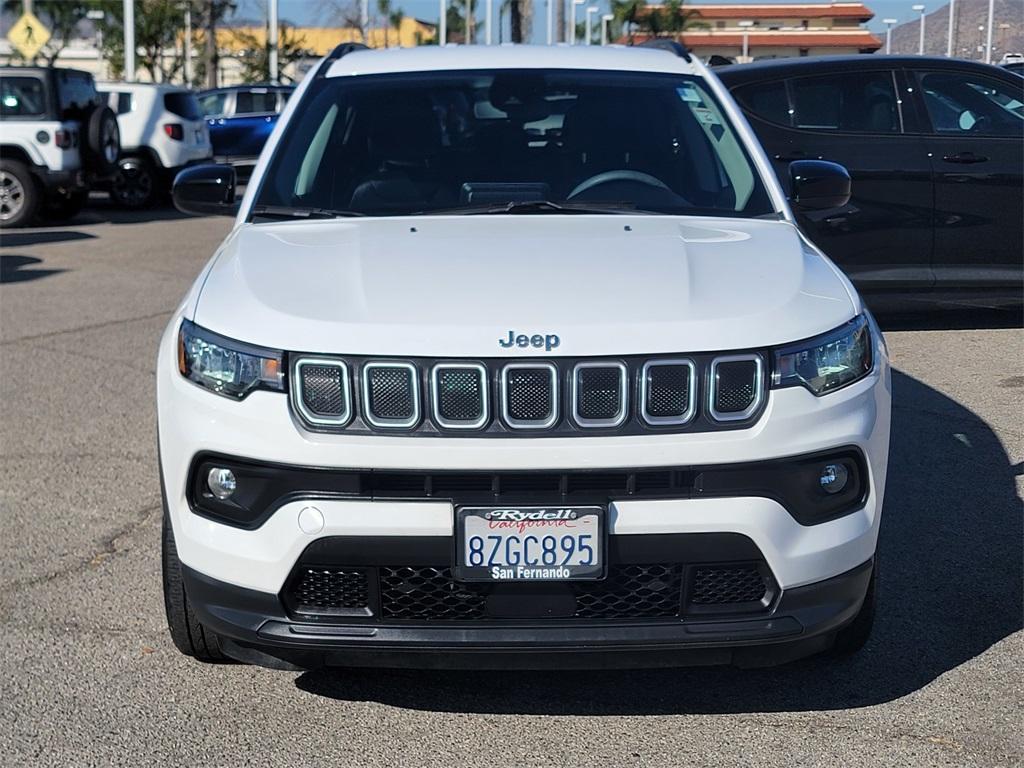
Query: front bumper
[
  {"x": 236, "y": 576},
  {"x": 255, "y": 628}
]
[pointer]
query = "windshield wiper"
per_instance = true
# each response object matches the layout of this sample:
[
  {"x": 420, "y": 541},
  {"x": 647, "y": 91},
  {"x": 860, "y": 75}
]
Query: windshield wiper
[
  {"x": 536, "y": 206},
  {"x": 293, "y": 212}
]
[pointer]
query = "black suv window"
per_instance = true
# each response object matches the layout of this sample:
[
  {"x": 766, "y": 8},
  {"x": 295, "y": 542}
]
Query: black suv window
[
  {"x": 22, "y": 97},
  {"x": 858, "y": 102},
  {"x": 769, "y": 101},
  {"x": 77, "y": 94},
  {"x": 183, "y": 104},
  {"x": 255, "y": 103},
  {"x": 966, "y": 103}
]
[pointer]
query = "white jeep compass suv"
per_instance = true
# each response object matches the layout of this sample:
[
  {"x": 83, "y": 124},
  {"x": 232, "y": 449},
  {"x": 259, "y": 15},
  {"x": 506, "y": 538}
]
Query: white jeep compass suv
[{"x": 515, "y": 357}]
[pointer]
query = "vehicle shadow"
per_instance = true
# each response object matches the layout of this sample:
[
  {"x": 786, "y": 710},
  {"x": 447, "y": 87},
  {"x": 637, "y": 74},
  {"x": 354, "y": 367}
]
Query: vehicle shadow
[
  {"x": 952, "y": 319},
  {"x": 42, "y": 237},
  {"x": 13, "y": 269},
  {"x": 950, "y": 587}
]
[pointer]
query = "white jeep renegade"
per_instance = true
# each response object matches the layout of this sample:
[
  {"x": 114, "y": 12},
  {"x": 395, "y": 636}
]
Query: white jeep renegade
[{"x": 515, "y": 357}]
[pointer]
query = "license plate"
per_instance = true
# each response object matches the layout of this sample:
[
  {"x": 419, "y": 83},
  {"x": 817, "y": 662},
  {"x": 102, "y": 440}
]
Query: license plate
[{"x": 529, "y": 543}]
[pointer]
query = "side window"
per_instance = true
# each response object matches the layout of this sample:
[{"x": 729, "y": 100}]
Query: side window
[
  {"x": 855, "y": 102},
  {"x": 212, "y": 104},
  {"x": 282, "y": 99},
  {"x": 766, "y": 100},
  {"x": 255, "y": 103},
  {"x": 22, "y": 97},
  {"x": 966, "y": 103},
  {"x": 124, "y": 103}
]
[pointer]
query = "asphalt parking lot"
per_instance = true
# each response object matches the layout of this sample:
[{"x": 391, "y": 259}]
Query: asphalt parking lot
[{"x": 90, "y": 677}]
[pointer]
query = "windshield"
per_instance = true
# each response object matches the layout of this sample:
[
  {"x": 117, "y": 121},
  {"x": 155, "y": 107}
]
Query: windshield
[{"x": 392, "y": 145}]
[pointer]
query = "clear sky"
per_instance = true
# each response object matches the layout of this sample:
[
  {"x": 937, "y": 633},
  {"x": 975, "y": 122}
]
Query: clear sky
[{"x": 315, "y": 12}]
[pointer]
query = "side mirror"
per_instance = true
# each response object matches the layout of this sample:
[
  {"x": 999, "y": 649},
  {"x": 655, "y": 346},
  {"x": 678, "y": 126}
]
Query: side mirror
[
  {"x": 818, "y": 184},
  {"x": 205, "y": 189}
]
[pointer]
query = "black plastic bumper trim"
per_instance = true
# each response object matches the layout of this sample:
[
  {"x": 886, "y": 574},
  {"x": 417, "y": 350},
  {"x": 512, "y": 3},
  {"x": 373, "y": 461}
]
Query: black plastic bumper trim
[{"x": 255, "y": 629}]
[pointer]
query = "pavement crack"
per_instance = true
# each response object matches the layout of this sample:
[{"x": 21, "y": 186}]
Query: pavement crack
[
  {"x": 109, "y": 546},
  {"x": 81, "y": 328}
]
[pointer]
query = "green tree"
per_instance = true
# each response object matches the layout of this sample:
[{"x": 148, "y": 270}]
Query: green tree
[
  {"x": 395, "y": 19},
  {"x": 627, "y": 15},
  {"x": 157, "y": 24},
  {"x": 384, "y": 6},
  {"x": 255, "y": 55},
  {"x": 61, "y": 17}
]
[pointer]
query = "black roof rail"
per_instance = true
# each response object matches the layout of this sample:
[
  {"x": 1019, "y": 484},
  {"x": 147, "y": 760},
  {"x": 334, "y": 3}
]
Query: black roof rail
[
  {"x": 341, "y": 50},
  {"x": 664, "y": 44}
]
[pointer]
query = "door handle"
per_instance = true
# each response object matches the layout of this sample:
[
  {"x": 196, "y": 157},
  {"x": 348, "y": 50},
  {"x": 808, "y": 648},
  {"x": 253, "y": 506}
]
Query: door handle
[{"x": 965, "y": 158}]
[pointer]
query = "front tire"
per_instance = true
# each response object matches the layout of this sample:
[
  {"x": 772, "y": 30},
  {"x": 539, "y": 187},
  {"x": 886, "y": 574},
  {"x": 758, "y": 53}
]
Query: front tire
[
  {"x": 189, "y": 636},
  {"x": 19, "y": 195},
  {"x": 134, "y": 186}
]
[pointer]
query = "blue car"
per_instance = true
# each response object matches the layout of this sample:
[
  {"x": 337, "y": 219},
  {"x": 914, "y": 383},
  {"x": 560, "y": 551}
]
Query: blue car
[{"x": 240, "y": 119}]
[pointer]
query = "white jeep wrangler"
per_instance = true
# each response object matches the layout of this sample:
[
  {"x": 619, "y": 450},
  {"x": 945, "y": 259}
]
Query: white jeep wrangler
[
  {"x": 515, "y": 357},
  {"x": 58, "y": 137}
]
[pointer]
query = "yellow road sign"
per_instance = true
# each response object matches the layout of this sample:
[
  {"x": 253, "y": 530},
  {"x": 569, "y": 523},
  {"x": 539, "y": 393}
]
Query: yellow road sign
[{"x": 28, "y": 35}]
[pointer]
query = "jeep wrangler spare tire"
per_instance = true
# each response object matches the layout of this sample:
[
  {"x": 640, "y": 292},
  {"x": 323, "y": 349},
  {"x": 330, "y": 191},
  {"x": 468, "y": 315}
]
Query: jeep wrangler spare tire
[{"x": 102, "y": 146}]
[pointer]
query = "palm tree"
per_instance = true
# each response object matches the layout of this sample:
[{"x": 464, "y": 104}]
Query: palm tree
[
  {"x": 395, "y": 18},
  {"x": 384, "y": 6},
  {"x": 627, "y": 13}
]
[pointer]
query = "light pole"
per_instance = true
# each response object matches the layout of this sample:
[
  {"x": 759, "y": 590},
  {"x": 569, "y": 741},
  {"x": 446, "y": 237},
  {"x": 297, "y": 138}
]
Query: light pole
[
  {"x": 93, "y": 15},
  {"x": 272, "y": 41},
  {"x": 745, "y": 26},
  {"x": 988, "y": 35},
  {"x": 442, "y": 24},
  {"x": 551, "y": 22},
  {"x": 888, "y": 34},
  {"x": 469, "y": 22},
  {"x": 488, "y": 16},
  {"x": 186, "y": 63},
  {"x": 590, "y": 12},
  {"x": 364, "y": 20},
  {"x": 920, "y": 39},
  {"x": 605, "y": 21},
  {"x": 129, "y": 41},
  {"x": 949, "y": 32},
  {"x": 572, "y": 21}
]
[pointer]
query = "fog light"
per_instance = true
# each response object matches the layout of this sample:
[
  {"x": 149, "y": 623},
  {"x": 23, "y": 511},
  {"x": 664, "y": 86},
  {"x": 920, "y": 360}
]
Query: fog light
[
  {"x": 221, "y": 482},
  {"x": 833, "y": 478}
]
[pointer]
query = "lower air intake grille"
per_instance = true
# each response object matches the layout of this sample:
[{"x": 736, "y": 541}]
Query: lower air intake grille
[
  {"x": 719, "y": 586},
  {"x": 631, "y": 591},
  {"x": 328, "y": 591},
  {"x": 427, "y": 593}
]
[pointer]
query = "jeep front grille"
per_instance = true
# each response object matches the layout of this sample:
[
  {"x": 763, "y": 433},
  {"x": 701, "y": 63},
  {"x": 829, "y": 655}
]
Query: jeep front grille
[
  {"x": 737, "y": 382},
  {"x": 459, "y": 395},
  {"x": 700, "y": 392},
  {"x": 599, "y": 393},
  {"x": 529, "y": 395},
  {"x": 391, "y": 394},
  {"x": 667, "y": 391}
]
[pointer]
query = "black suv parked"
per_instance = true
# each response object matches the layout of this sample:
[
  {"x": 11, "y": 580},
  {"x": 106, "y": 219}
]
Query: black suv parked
[
  {"x": 58, "y": 135},
  {"x": 935, "y": 150}
]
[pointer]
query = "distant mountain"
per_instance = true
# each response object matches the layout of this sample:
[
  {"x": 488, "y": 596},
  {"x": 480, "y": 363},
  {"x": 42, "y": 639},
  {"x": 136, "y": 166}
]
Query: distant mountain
[{"x": 969, "y": 15}]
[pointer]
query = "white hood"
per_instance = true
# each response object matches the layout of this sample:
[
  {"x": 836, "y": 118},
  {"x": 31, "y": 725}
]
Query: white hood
[{"x": 453, "y": 286}]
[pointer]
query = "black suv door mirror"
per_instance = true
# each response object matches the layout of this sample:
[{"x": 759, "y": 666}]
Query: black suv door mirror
[
  {"x": 818, "y": 184},
  {"x": 205, "y": 189}
]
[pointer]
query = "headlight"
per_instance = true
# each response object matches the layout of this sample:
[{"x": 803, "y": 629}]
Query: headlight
[
  {"x": 229, "y": 368},
  {"x": 828, "y": 362}
]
